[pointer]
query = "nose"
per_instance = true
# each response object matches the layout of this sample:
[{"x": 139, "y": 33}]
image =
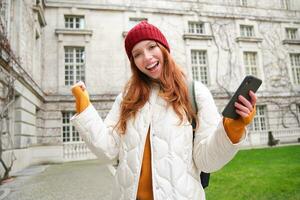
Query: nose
[{"x": 147, "y": 55}]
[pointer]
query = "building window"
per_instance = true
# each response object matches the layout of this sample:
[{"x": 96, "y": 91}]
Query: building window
[
  {"x": 134, "y": 21},
  {"x": 74, "y": 22},
  {"x": 69, "y": 134},
  {"x": 242, "y": 2},
  {"x": 250, "y": 62},
  {"x": 247, "y": 31},
  {"x": 3, "y": 9},
  {"x": 298, "y": 110},
  {"x": 295, "y": 66},
  {"x": 291, "y": 33},
  {"x": 285, "y": 4},
  {"x": 196, "y": 27},
  {"x": 74, "y": 65},
  {"x": 260, "y": 120},
  {"x": 199, "y": 66},
  {"x": 4, "y": 15}
]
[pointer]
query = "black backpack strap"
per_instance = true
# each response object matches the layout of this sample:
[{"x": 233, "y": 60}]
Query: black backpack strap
[
  {"x": 192, "y": 95},
  {"x": 204, "y": 177},
  {"x": 193, "y": 102}
]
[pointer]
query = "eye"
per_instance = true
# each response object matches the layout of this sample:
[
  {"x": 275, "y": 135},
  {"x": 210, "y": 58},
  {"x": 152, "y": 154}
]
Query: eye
[
  {"x": 152, "y": 46},
  {"x": 136, "y": 55}
]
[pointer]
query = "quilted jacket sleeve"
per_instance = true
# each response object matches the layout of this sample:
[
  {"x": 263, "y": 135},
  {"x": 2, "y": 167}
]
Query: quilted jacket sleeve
[
  {"x": 100, "y": 136},
  {"x": 212, "y": 147}
]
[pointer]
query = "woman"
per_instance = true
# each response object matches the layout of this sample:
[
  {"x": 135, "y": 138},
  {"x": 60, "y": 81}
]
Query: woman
[{"x": 149, "y": 126}]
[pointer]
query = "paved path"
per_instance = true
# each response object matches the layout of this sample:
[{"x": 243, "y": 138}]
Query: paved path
[{"x": 84, "y": 180}]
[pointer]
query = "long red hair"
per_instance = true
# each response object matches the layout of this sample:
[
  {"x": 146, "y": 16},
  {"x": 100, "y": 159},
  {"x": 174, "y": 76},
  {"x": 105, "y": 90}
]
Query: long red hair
[{"x": 173, "y": 88}]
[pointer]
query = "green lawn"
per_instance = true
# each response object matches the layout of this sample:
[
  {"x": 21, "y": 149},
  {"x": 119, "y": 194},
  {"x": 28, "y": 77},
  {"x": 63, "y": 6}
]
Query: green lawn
[{"x": 270, "y": 173}]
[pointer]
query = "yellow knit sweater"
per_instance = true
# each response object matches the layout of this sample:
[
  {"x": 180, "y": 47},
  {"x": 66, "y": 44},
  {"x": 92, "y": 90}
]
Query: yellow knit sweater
[{"x": 145, "y": 184}]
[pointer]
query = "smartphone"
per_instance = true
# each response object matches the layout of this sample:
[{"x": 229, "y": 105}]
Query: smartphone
[{"x": 249, "y": 83}]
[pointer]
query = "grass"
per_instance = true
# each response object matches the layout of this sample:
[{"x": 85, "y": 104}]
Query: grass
[{"x": 270, "y": 173}]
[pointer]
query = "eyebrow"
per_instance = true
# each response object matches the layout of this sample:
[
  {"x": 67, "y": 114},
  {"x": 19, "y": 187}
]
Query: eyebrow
[{"x": 146, "y": 45}]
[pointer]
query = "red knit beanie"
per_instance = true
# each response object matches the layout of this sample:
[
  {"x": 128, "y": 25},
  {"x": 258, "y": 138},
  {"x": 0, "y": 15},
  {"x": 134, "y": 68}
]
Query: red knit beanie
[{"x": 144, "y": 31}]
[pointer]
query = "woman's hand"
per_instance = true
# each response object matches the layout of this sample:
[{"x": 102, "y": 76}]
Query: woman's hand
[
  {"x": 246, "y": 109},
  {"x": 81, "y": 96}
]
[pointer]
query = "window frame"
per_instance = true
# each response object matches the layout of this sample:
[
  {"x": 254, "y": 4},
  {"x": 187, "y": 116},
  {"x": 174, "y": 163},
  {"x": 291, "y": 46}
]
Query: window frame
[
  {"x": 73, "y": 18},
  {"x": 249, "y": 68},
  {"x": 285, "y": 4},
  {"x": 289, "y": 35},
  {"x": 73, "y": 135},
  {"x": 132, "y": 21},
  {"x": 199, "y": 69},
  {"x": 243, "y": 3},
  {"x": 193, "y": 29},
  {"x": 259, "y": 122},
  {"x": 298, "y": 110},
  {"x": 295, "y": 68},
  {"x": 74, "y": 70},
  {"x": 244, "y": 31},
  {"x": 4, "y": 16}
]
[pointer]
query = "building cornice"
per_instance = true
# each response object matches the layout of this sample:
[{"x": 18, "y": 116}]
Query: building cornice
[
  {"x": 20, "y": 75},
  {"x": 261, "y": 94},
  {"x": 65, "y": 98},
  {"x": 74, "y": 31},
  {"x": 188, "y": 8},
  {"x": 287, "y": 41},
  {"x": 197, "y": 36},
  {"x": 249, "y": 39}
]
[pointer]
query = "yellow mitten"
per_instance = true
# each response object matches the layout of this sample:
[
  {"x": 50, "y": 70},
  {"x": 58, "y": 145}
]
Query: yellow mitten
[
  {"x": 235, "y": 128},
  {"x": 82, "y": 98}
]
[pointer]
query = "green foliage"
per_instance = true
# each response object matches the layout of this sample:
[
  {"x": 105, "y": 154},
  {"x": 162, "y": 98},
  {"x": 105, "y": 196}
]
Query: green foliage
[{"x": 271, "y": 173}]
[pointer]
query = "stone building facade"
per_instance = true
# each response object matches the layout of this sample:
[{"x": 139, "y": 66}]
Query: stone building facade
[{"x": 62, "y": 42}]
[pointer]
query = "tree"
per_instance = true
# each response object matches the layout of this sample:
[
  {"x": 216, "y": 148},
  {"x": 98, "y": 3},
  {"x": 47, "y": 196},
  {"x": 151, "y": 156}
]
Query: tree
[
  {"x": 7, "y": 97},
  {"x": 276, "y": 59}
]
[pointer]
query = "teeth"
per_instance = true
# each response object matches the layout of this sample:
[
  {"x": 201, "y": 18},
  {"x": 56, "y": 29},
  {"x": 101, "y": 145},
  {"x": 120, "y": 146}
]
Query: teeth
[{"x": 151, "y": 66}]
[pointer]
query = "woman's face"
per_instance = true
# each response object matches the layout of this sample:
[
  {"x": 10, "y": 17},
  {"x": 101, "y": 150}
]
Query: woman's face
[{"x": 148, "y": 58}]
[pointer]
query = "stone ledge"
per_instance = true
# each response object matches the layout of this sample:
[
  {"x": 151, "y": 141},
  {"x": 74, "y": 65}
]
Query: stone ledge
[
  {"x": 65, "y": 31},
  {"x": 197, "y": 36},
  {"x": 248, "y": 39},
  {"x": 287, "y": 41},
  {"x": 70, "y": 98}
]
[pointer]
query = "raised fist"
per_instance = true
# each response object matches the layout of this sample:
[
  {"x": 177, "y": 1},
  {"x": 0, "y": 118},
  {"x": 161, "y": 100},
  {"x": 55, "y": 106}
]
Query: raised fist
[{"x": 81, "y": 95}]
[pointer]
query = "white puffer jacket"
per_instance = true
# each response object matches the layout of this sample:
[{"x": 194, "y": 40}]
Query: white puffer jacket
[{"x": 176, "y": 159}]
